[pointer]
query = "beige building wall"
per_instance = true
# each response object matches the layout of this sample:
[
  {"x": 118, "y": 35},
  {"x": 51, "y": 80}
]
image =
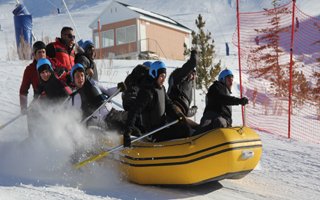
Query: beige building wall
[{"x": 164, "y": 41}]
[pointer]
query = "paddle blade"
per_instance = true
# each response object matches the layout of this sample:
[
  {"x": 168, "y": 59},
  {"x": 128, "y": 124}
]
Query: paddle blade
[{"x": 91, "y": 159}]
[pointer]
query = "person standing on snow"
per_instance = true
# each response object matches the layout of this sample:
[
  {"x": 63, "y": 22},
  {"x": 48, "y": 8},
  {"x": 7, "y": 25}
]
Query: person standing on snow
[
  {"x": 30, "y": 76},
  {"x": 86, "y": 58},
  {"x": 180, "y": 89},
  {"x": 62, "y": 50},
  {"x": 218, "y": 111},
  {"x": 92, "y": 96},
  {"x": 154, "y": 106}
]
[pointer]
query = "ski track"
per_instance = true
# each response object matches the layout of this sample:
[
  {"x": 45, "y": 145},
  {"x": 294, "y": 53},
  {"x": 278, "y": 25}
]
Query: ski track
[
  {"x": 284, "y": 172},
  {"x": 292, "y": 170}
]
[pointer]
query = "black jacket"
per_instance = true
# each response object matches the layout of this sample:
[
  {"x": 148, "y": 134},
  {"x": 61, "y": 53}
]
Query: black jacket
[
  {"x": 154, "y": 105},
  {"x": 53, "y": 89},
  {"x": 219, "y": 101},
  {"x": 87, "y": 63},
  {"x": 180, "y": 86},
  {"x": 91, "y": 98}
]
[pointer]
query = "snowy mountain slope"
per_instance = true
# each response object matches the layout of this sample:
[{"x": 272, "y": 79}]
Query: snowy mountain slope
[{"x": 220, "y": 16}]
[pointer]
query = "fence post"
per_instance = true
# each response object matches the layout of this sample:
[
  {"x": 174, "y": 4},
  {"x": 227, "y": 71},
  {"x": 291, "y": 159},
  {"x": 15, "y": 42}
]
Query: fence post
[
  {"x": 239, "y": 61},
  {"x": 291, "y": 63}
]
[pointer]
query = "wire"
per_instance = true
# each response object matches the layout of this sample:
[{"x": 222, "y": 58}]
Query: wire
[
  {"x": 65, "y": 5},
  {"x": 219, "y": 25},
  {"x": 52, "y": 4}
]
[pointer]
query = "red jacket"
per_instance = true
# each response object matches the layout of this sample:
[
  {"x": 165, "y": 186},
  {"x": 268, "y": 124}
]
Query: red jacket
[
  {"x": 30, "y": 77},
  {"x": 61, "y": 54}
]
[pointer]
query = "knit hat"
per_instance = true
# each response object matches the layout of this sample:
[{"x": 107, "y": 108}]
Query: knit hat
[{"x": 37, "y": 46}]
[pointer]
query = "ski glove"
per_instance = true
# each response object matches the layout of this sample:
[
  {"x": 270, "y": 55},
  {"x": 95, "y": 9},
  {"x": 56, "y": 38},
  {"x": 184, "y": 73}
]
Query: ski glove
[
  {"x": 195, "y": 108},
  {"x": 128, "y": 132},
  {"x": 90, "y": 72},
  {"x": 194, "y": 57},
  {"x": 192, "y": 111},
  {"x": 193, "y": 53},
  {"x": 126, "y": 140},
  {"x": 244, "y": 101},
  {"x": 122, "y": 86}
]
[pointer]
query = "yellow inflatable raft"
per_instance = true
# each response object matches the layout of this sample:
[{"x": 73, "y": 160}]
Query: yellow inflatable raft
[{"x": 214, "y": 155}]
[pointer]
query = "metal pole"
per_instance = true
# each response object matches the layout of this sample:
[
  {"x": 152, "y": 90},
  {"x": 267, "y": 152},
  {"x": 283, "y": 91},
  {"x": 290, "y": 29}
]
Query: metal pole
[
  {"x": 106, "y": 101},
  {"x": 99, "y": 37},
  {"x": 75, "y": 27},
  {"x": 291, "y": 66},
  {"x": 239, "y": 62},
  {"x": 194, "y": 92}
]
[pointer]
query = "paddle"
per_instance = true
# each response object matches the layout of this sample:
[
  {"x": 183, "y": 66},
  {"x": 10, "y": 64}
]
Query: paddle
[
  {"x": 11, "y": 120},
  {"x": 106, "y": 101},
  {"x": 117, "y": 104},
  {"x": 19, "y": 115},
  {"x": 103, "y": 154},
  {"x": 70, "y": 96}
]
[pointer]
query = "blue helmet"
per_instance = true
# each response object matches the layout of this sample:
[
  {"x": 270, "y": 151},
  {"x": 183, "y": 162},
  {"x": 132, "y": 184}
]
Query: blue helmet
[
  {"x": 86, "y": 44},
  {"x": 76, "y": 67},
  {"x": 157, "y": 68},
  {"x": 147, "y": 64},
  {"x": 224, "y": 73},
  {"x": 43, "y": 62}
]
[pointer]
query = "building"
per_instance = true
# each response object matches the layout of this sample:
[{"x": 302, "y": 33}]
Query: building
[{"x": 125, "y": 32}]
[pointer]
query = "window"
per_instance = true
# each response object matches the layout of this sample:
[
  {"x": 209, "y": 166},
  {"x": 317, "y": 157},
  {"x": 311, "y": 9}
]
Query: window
[
  {"x": 121, "y": 36},
  {"x": 96, "y": 40},
  {"x": 126, "y": 34},
  {"x": 108, "y": 38}
]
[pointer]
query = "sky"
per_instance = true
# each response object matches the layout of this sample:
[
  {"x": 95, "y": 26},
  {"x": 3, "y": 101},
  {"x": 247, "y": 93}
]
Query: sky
[{"x": 40, "y": 168}]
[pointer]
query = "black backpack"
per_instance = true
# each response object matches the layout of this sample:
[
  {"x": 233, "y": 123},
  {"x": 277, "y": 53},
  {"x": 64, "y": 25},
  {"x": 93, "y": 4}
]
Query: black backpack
[
  {"x": 134, "y": 82},
  {"x": 174, "y": 89}
]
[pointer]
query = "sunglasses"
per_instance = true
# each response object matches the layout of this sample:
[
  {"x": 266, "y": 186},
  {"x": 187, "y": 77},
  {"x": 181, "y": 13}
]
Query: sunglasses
[{"x": 70, "y": 36}]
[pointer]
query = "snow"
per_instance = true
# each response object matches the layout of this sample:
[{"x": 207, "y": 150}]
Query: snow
[{"x": 40, "y": 169}]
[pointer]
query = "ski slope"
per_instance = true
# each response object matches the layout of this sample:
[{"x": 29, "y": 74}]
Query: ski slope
[{"x": 40, "y": 169}]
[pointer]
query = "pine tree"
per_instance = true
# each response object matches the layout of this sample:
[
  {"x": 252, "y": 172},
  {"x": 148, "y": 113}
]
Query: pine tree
[
  {"x": 316, "y": 93},
  {"x": 204, "y": 44},
  {"x": 301, "y": 88},
  {"x": 269, "y": 52}
]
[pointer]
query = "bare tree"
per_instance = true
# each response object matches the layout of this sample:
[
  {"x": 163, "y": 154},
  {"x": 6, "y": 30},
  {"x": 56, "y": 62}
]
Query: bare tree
[{"x": 268, "y": 55}]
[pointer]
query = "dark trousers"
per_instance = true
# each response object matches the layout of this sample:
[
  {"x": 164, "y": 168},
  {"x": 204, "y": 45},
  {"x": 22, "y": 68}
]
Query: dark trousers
[{"x": 176, "y": 131}]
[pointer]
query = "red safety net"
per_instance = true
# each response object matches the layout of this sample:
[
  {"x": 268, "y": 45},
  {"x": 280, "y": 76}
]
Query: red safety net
[{"x": 276, "y": 80}]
